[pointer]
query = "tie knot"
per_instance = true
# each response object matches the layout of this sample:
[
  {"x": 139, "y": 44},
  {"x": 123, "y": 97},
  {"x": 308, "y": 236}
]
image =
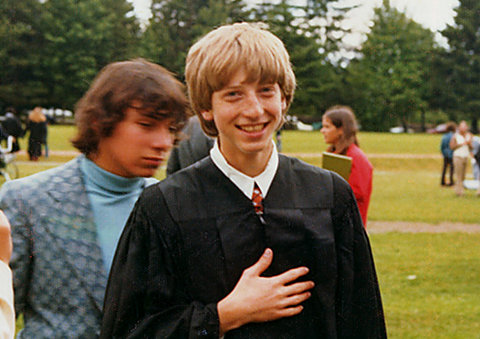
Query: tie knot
[{"x": 257, "y": 199}]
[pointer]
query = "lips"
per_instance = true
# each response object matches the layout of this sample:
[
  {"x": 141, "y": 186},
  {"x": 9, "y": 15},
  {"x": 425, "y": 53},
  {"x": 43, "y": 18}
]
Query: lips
[{"x": 156, "y": 161}]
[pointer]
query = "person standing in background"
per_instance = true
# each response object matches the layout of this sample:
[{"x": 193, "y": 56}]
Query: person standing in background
[
  {"x": 7, "y": 313},
  {"x": 447, "y": 153},
  {"x": 195, "y": 146},
  {"x": 461, "y": 144},
  {"x": 339, "y": 129},
  {"x": 476, "y": 160},
  {"x": 37, "y": 125},
  {"x": 13, "y": 126},
  {"x": 66, "y": 221}
]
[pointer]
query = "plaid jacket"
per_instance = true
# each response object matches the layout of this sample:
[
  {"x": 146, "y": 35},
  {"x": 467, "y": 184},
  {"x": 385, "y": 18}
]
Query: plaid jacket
[{"x": 59, "y": 278}]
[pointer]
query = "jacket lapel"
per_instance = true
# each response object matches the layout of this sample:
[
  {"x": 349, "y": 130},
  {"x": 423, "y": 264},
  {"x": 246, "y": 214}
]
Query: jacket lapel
[{"x": 73, "y": 229}]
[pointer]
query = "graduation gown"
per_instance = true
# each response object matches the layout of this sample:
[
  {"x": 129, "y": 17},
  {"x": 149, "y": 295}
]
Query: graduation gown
[{"x": 190, "y": 237}]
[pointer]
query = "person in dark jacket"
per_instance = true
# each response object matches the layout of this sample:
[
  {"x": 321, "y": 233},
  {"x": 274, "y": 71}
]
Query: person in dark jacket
[
  {"x": 13, "y": 126},
  {"x": 447, "y": 154},
  {"x": 195, "y": 146},
  {"x": 37, "y": 125}
]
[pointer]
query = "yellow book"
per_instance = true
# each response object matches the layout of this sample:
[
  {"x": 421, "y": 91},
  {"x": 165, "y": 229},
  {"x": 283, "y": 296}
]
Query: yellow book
[{"x": 338, "y": 163}]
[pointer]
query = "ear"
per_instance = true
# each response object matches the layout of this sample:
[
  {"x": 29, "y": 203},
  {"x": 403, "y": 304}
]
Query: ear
[
  {"x": 207, "y": 115},
  {"x": 284, "y": 104}
]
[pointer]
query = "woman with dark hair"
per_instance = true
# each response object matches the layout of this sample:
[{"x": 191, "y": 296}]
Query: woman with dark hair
[{"x": 339, "y": 129}]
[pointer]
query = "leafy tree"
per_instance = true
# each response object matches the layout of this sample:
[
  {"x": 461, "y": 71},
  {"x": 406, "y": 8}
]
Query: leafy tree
[
  {"x": 20, "y": 44},
  {"x": 390, "y": 79},
  {"x": 311, "y": 33},
  {"x": 51, "y": 50},
  {"x": 176, "y": 24},
  {"x": 124, "y": 30},
  {"x": 462, "y": 61},
  {"x": 82, "y": 36}
]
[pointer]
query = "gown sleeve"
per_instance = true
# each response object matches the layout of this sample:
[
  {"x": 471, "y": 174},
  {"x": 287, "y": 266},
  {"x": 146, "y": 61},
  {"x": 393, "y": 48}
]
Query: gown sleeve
[
  {"x": 145, "y": 296},
  {"x": 358, "y": 302}
]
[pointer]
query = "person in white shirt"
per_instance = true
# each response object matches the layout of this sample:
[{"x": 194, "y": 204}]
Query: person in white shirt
[
  {"x": 245, "y": 243},
  {"x": 461, "y": 144},
  {"x": 7, "y": 313}
]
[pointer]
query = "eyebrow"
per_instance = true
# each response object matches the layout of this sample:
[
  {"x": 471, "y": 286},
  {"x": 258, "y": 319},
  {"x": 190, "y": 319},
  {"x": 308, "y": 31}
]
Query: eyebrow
[{"x": 158, "y": 115}]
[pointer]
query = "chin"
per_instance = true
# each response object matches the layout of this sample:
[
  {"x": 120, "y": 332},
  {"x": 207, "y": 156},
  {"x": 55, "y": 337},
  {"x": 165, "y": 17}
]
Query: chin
[{"x": 145, "y": 172}]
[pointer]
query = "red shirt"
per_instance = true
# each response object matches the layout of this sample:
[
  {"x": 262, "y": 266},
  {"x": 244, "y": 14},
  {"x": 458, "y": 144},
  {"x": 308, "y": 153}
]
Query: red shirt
[{"x": 360, "y": 179}]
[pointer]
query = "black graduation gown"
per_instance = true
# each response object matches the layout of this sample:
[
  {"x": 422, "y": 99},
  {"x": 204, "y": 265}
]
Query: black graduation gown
[{"x": 190, "y": 237}]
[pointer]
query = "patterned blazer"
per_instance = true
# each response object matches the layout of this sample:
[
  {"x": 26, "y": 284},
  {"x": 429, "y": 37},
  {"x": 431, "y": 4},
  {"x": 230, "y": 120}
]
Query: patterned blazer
[{"x": 59, "y": 278}]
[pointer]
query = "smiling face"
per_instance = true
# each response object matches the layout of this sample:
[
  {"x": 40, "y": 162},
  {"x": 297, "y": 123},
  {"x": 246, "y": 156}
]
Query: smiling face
[
  {"x": 246, "y": 114},
  {"x": 331, "y": 133},
  {"x": 138, "y": 145}
]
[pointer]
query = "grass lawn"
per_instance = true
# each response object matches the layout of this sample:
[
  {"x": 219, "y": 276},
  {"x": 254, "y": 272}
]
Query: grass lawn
[
  {"x": 405, "y": 188},
  {"x": 430, "y": 284},
  {"x": 383, "y": 143}
]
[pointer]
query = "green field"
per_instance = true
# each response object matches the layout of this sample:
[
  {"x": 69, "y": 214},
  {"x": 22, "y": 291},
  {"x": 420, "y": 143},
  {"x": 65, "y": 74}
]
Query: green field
[
  {"x": 429, "y": 282},
  {"x": 406, "y": 184}
]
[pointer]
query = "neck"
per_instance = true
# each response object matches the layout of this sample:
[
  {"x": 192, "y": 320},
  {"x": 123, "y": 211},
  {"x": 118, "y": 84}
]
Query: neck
[
  {"x": 337, "y": 147},
  {"x": 251, "y": 164}
]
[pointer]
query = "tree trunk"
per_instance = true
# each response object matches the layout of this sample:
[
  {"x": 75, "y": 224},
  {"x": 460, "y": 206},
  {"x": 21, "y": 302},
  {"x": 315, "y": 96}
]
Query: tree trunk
[
  {"x": 474, "y": 128},
  {"x": 422, "y": 121}
]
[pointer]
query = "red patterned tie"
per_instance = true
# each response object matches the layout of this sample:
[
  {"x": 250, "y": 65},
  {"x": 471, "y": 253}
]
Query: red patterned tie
[{"x": 257, "y": 200}]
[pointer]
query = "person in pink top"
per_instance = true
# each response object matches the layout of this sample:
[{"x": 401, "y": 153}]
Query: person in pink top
[
  {"x": 339, "y": 129},
  {"x": 7, "y": 313}
]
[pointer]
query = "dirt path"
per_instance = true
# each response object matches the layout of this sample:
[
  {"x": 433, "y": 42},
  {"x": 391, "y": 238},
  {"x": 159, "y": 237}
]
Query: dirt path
[
  {"x": 375, "y": 155},
  {"x": 296, "y": 154},
  {"x": 419, "y": 227}
]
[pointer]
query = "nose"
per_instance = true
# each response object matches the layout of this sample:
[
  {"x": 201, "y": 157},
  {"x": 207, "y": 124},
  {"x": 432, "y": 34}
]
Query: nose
[
  {"x": 163, "y": 139},
  {"x": 253, "y": 106}
]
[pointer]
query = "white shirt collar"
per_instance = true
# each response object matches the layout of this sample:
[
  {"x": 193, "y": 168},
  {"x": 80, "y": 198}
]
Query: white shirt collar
[{"x": 243, "y": 181}]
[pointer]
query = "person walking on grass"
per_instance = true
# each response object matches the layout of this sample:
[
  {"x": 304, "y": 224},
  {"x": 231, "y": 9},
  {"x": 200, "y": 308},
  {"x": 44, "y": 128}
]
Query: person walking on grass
[
  {"x": 461, "y": 144},
  {"x": 13, "y": 126},
  {"x": 66, "y": 221},
  {"x": 37, "y": 126},
  {"x": 447, "y": 154},
  {"x": 246, "y": 243}
]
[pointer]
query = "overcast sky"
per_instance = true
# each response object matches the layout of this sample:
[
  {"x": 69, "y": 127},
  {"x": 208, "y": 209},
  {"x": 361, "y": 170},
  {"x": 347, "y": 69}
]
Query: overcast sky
[{"x": 433, "y": 14}]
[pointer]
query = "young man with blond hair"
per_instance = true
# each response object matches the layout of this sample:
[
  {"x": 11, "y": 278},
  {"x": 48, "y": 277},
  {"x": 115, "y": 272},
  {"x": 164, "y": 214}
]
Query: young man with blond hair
[{"x": 246, "y": 243}]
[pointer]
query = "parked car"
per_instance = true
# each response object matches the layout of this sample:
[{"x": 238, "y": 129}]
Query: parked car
[
  {"x": 442, "y": 128},
  {"x": 293, "y": 123},
  {"x": 400, "y": 129}
]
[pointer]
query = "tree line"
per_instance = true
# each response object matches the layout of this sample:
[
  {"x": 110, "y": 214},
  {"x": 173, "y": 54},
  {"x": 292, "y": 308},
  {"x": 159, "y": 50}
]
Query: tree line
[{"x": 50, "y": 50}]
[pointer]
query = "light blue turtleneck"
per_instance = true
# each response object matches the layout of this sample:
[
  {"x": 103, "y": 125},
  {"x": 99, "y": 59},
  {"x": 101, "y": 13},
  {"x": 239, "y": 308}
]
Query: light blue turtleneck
[{"x": 112, "y": 198}]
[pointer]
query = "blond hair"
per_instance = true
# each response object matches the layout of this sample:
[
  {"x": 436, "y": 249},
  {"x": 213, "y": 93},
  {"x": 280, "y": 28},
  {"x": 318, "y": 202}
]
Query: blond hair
[
  {"x": 36, "y": 115},
  {"x": 214, "y": 59}
]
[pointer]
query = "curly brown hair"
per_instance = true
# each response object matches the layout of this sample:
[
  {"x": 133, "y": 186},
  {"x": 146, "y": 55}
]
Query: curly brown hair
[{"x": 115, "y": 88}]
